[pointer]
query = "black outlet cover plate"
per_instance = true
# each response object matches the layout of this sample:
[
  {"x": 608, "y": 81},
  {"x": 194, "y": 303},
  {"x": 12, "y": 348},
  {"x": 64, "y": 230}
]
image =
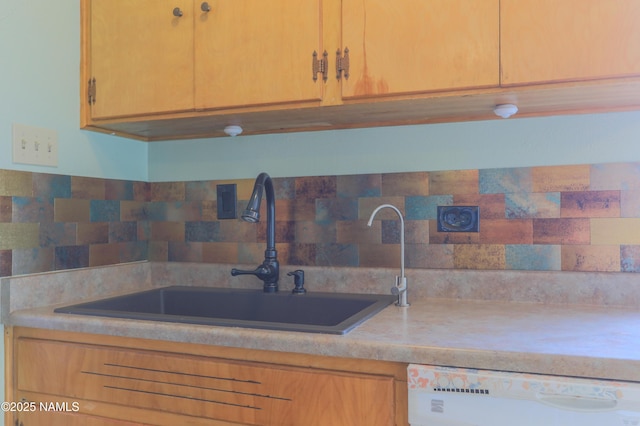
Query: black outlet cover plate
[
  {"x": 227, "y": 201},
  {"x": 458, "y": 219}
]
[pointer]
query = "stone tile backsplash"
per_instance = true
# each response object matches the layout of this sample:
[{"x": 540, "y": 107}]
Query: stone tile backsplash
[
  {"x": 555, "y": 218},
  {"x": 54, "y": 222}
]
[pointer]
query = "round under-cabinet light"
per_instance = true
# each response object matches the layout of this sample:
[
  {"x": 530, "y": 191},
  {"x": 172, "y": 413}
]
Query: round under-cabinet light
[
  {"x": 233, "y": 130},
  {"x": 505, "y": 110}
]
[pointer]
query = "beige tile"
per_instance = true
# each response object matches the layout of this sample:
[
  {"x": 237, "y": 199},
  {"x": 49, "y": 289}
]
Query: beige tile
[
  {"x": 429, "y": 256},
  {"x": 88, "y": 188},
  {"x": 454, "y": 182},
  {"x": 71, "y": 210},
  {"x": 405, "y": 184},
  {"x": 560, "y": 178},
  {"x": 615, "y": 231},
  {"x": 103, "y": 254},
  {"x": 605, "y": 258},
  {"x": 19, "y": 235},
  {"x": 15, "y": 183},
  {"x": 630, "y": 203},
  {"x": 167, "y": 231},
  {"x": 416, "y": 231},
  {"x": 92, "y": 233},
  {"x": 380, "y": 255},
  {"x": 479, "y": 256},
  {"x": 220, "y": 252},
  {"x": 168, "y": 191}
]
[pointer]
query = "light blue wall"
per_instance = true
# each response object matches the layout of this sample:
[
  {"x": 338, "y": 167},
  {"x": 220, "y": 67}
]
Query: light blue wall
[
  {"x": 40, "y": 86},
  {"x": 578, "y": 139}
]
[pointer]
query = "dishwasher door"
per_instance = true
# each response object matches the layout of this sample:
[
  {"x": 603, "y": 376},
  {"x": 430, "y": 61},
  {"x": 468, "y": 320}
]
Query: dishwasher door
[{"x": 444, "y": 396}]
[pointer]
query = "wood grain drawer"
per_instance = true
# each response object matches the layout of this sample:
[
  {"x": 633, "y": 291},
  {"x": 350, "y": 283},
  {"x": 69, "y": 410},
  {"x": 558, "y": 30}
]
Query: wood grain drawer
[{"x": 248, "y": 393}]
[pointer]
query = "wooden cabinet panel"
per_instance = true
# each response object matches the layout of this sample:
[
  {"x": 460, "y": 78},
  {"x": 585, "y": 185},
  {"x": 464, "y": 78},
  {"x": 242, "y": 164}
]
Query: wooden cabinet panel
[
  {"x": 250, "y": 53},
  {"x": 141, "y": 57},
  {"x": 568, "y": 40},
  {"x": 249, "y": 63},
  {"x": 51, "y": 418},
  {"x": 419, "y": 46},
  {"x": 231, "y": 391}
]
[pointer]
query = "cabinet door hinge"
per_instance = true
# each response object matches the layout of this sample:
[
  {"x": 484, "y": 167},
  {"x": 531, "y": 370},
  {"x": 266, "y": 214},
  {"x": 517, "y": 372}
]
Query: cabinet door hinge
[
  {"x": 320, "y": 65},
  {"x": 91, "y": 92},
  {"x": 342, "y": 63}
]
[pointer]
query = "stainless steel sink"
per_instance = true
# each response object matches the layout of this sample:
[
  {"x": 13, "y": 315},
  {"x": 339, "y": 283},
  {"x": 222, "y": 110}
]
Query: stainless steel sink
[{"x": 334, "y": 313}]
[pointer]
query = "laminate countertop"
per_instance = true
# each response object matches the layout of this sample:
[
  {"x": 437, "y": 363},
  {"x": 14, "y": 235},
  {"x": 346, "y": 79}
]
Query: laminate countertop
[{"x": 580, "y": 340}]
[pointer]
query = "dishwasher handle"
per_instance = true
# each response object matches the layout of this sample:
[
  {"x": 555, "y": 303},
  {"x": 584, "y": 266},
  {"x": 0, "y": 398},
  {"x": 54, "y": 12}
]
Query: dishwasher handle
[{"x": 577, "y": 403}]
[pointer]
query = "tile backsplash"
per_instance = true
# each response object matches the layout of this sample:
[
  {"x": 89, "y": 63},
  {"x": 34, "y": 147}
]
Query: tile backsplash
[
  {"x": 552, "y": 218},
  {"x": 54, "y": 222}
]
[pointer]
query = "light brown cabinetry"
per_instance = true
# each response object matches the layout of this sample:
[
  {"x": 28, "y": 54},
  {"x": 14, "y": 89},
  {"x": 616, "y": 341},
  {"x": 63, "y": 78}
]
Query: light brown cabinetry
[
  {"x": 140, "y": 57},
  {"x": 159, "y": 76},
  {"x": 118, "y": 380},
  {"x": 250, "y": 53},
  {"x": 401, "y": 48},
  {"x": 147, "y": 57},
  {"x": 546, "y": 41},
  {"x": 61, "y": 418}
]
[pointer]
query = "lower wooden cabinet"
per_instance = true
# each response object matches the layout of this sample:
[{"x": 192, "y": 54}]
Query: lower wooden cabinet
[
  {"x": 100, "y": 380},
  {"x": 67, "y": 419}
]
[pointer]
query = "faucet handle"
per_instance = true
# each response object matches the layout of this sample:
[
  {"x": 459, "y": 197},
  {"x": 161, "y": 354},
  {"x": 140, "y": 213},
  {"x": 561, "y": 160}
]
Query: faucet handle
[
  {"x": 259, "y": 271},
  {"x": 401, "y": 285},
  {"x": 298, "y": 281},
  {"x": 400, "y": 290}
]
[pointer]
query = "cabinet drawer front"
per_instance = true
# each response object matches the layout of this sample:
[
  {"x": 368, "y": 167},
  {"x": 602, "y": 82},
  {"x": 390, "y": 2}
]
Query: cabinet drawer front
[{"x": 247, "y": 393}]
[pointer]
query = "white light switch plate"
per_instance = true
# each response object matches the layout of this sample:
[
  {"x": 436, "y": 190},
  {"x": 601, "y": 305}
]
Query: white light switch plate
[{"x": 35, "y": 145}]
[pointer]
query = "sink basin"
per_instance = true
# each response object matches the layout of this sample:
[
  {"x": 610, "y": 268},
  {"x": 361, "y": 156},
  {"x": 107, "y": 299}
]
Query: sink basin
[{"x": 334, "y": 313}]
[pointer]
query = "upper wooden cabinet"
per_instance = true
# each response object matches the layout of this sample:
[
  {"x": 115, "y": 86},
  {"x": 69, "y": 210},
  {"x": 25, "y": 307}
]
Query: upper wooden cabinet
[
  {"x": 141, "y": 57},
  {"x": 159, "y": 56},
  {"x": 251, "y": 53},
  {"x": 568, "y": 40},
  {"x": 420, "y": 46},
  {"x": 188, "y": 68}
]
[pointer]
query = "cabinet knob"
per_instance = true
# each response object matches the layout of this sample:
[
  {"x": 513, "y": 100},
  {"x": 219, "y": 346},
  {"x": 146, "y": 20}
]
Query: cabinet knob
[
  {"x": 177, "y": 12},
  {"x": 205, "y": 7}
]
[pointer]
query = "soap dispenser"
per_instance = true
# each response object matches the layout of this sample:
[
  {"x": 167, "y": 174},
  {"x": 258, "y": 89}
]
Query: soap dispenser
[{"x": 298, "y": 281}]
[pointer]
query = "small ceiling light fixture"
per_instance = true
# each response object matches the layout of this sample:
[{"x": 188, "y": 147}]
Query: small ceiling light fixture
[
  {"x": 505, "y": 110},
  {"x": 233, "y": 130}
]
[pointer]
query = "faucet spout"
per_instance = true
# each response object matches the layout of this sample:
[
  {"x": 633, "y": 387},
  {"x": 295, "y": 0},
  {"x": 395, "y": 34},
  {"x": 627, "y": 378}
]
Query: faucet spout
[
  {"x": 400, "y": 287},
  {"x": 269, "y": 270}
]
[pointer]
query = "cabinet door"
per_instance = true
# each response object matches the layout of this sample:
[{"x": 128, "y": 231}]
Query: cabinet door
[
  {"x": 252, "y": 53},
  {"x": 220, "y": 391},
  {"x": 562, "y": 40},
  {"x": 406, "y": 47},
  {"x": 141, "y": 57},
  {"x": 61, "y": 418}
]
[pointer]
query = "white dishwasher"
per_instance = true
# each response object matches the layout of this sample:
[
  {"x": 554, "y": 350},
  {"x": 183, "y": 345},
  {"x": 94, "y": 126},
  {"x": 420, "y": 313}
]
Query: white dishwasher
[{"x": 445, "y": 396}]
